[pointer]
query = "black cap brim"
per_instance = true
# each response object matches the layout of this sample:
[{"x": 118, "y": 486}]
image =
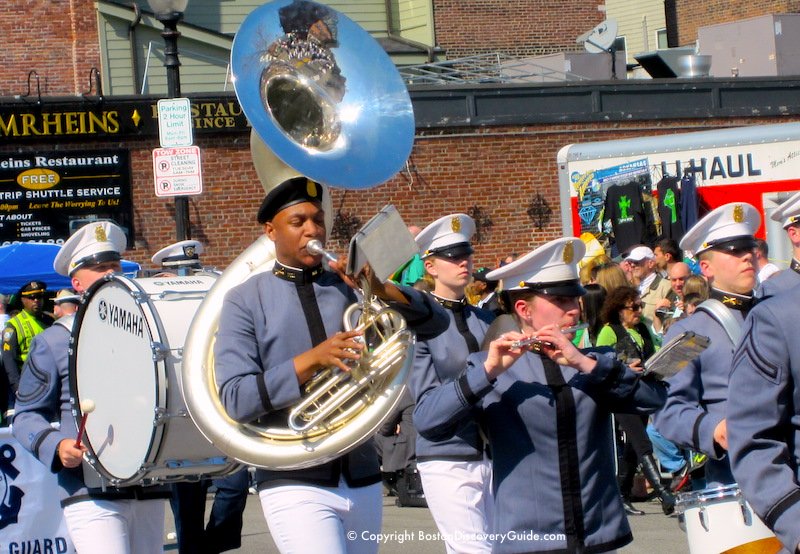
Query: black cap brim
[
  {"x": 561, "y": 288},
  {"x": 459, "y": 250},
  {"x": 96, "y": 259},
  {"x": 733, "y": 244}
]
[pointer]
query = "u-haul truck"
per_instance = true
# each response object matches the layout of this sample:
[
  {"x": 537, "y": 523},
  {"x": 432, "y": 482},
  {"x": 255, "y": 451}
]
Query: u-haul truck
[{"x": 759, "y": 165}]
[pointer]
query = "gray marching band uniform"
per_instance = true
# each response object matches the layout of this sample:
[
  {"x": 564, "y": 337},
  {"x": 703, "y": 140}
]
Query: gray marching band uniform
[
  {"x": 764, "y": 419},
  {"x": 781, "y": 281},
  {"x": 262, "y": 329},
  {"x": 551, "y": 438},
  {"x": 698, "y": 394},
  {"x": 43, "y": 397},
  {"x": 440, "y": 360}
]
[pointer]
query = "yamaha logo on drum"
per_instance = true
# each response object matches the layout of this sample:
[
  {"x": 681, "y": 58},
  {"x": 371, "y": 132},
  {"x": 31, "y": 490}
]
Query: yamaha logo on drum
[{"x": 120, "y": 318}]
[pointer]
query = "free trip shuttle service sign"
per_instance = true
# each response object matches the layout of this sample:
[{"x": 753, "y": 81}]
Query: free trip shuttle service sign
[{"x": 177, "y": 171}]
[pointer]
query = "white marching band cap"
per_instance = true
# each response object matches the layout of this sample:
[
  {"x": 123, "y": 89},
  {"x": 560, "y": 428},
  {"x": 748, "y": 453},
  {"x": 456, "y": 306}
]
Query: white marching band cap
[
  {"x": 550, "y": 269},
  {"x": 448, "y": 236},
  {"x": 92, "y": 244},
  {"x": 67, "y": 295},
  {"x": 728, "y": 227},
  {"x": 185, "y": 252},
  {"x": 789, "y": 211}
]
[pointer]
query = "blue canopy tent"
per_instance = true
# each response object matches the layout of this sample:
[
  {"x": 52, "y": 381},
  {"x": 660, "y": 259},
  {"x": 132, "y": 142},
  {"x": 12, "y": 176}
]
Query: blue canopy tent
[{"x": 28, "y": 261}]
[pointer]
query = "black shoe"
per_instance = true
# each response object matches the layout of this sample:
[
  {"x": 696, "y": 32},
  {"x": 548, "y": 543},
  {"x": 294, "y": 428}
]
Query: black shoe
[
  {"x": 667, "y": 502},
  {"x": 630, "y": 510}
]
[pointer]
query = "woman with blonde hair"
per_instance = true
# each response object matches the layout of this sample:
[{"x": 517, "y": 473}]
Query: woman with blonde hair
[
  {"x": 696, "y": 284},
  {"x": 610, "y": 276}
]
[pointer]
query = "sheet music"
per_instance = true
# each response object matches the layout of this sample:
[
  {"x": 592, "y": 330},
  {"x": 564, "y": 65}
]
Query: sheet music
[{"x": 676, "y": 354}]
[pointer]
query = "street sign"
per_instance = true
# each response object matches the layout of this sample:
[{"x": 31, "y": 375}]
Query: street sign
[
  {"x": 177, "y": 171},
  {"x": 175, "y": 122}
]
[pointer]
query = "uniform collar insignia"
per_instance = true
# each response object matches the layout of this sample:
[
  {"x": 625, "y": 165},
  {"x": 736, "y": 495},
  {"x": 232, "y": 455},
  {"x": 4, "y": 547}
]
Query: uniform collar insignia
[
  {"x": 448, "y": 304},
  {"x": 795, "y": 265},
  {"x": 295, "y": 275},
  {"x": 733, "y": 301}
]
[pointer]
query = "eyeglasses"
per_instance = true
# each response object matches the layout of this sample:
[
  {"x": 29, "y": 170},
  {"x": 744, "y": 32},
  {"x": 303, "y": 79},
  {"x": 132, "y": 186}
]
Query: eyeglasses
[{"x": 634, "y": 307}]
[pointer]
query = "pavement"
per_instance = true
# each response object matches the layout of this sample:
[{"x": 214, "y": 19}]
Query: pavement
[{"x": 413, "y": 530}]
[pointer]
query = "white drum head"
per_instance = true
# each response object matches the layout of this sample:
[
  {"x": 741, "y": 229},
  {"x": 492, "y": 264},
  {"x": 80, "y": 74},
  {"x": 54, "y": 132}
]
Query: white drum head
[{"x": 113, "y": 365}]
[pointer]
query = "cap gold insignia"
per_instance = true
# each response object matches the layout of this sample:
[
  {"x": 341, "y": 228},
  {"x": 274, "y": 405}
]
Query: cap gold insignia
[
  {"x": 569, "y": 252},
  {"x": 100, "y": 234},
  {"x": 522, "y": 284},
  {"x": 311, "y": 188},
  {"x": 189, "y": 251},
  {"x": 738, "y": 213},
  {"x": 455, "y": 224}
]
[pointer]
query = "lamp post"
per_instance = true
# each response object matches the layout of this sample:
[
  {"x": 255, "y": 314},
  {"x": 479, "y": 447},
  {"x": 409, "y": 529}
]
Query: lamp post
[{"x": 169, "y": 13}]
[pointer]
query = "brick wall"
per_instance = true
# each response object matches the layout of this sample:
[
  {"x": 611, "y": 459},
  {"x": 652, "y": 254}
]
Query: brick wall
[
  {"x": 690, "y": 14},
  {"x": 498, "y": 170},
  {"x": 56, "y": 38},
  {"x": 515, "y": 27}
]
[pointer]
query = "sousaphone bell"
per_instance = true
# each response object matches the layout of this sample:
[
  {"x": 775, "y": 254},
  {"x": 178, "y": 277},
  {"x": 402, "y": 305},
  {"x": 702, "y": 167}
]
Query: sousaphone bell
[{"x": 327, "y": 103}]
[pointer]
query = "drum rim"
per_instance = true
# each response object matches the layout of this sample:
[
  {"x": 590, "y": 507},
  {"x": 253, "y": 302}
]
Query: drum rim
[
  {"x": 159, "y": 368},
  {"x": 693, "y": 499}
]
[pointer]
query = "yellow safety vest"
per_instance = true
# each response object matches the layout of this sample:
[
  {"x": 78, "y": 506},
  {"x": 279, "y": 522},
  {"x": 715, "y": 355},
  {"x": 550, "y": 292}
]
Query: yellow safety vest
[{"x": 26, "y": 327}]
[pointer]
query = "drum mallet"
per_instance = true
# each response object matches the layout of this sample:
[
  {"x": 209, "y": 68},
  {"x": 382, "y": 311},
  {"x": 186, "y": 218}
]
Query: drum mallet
[{"x": 87, "y": 407}]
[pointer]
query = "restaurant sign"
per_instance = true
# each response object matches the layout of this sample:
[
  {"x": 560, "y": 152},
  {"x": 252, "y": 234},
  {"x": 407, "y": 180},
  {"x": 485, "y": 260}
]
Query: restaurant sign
[
  {"x": 45, "y": 196},
  {"x": 119, "y": 117}
]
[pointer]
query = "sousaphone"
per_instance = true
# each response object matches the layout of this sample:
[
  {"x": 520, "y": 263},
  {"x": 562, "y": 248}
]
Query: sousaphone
[{"x": 325, "y": 102}]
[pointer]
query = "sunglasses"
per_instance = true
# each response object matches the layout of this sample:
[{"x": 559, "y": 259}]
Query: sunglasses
[
  {"x": 634, "y": 307},
  {"x": 34, "y": 296}
]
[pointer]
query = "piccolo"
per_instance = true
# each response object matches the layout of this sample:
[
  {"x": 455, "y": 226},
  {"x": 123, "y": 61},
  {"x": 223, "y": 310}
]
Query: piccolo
[{"x": 536, "y": 344}]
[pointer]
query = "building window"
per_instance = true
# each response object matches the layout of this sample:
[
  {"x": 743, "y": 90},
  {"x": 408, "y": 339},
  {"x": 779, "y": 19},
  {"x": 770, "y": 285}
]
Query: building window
[{"x": 661, "y": 39}]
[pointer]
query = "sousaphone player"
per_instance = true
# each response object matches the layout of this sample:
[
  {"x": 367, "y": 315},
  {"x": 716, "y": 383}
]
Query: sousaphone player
[
  {"x": 276, "y": 331},
  {"x": 279, "y": 328}
]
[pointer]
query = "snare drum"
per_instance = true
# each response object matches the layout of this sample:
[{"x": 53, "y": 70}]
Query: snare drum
[
  {"x": 125, "y": 356},
  {"x": 720, "y": 520}
]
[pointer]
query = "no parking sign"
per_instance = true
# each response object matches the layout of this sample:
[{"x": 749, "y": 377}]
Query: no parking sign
[{"x": 177, "y": 171}]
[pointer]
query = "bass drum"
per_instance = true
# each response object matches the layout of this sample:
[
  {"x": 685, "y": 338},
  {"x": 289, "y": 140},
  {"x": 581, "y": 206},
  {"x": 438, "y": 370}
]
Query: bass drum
[{"x": 125, "y": 357}]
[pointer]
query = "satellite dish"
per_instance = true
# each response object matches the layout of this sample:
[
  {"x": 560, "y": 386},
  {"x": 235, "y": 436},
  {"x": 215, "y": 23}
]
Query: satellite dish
[{"x": 601, "y": 38}]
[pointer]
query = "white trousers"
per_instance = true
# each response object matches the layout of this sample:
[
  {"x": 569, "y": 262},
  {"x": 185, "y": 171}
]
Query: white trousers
[
  {"x": 459, "y": 495},
  {"x": 116, "y": 526},
  {"x": 336, "y": 520}
]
